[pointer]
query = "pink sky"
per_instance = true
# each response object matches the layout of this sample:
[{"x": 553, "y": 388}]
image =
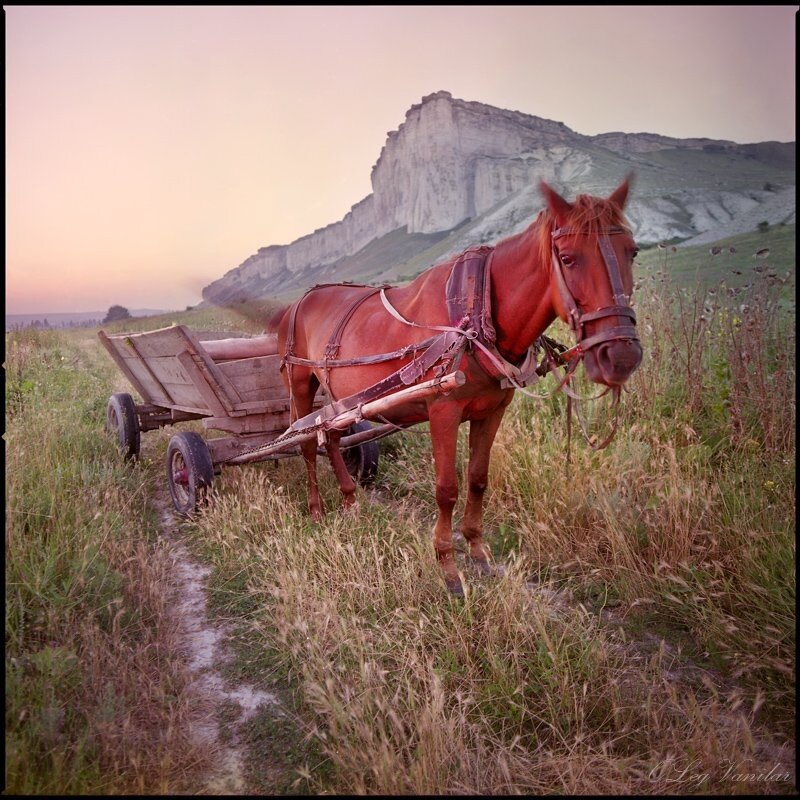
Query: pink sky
[{"x": 151, "y": 149}]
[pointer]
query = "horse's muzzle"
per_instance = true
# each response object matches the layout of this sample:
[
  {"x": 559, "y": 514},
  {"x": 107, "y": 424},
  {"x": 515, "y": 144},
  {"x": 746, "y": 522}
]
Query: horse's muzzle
[{"x": 612, "y": 363}]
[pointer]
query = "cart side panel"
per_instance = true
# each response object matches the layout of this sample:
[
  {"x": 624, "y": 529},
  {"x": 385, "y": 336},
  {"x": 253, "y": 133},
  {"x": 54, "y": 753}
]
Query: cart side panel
[
  {"x": 256, "y": 378},
  {"x": 147, "y": 388},
  {"x": 188, "y": 375},
  {"x": 164, "y": 378},
  {"x": 159, "y": 343},
  {"x": 156, "y": 393},
  {"x": 176, "y": 381}
]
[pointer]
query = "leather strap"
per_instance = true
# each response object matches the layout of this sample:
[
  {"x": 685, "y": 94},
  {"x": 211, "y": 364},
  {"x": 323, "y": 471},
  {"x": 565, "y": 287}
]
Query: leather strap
[
  {"x": 335, "y": 341},
  {"x": 621, "y": 307}
]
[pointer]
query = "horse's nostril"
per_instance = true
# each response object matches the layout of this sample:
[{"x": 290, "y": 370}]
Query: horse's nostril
[{"x": 617, "y": 360}]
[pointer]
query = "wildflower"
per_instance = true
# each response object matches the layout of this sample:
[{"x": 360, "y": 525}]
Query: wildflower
[{"x": 769, "y": 486}]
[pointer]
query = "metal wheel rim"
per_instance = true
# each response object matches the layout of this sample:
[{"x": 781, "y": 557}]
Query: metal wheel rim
[
  {"x": 112, "y": 419},
  {"x": 181, "y": 489}
]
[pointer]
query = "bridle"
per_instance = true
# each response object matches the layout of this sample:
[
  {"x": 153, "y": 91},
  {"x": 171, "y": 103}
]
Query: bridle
[{"x": 577, "y": 318}]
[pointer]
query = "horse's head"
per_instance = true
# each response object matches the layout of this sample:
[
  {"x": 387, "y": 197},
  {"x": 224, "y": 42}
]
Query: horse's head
[{"x": 592, "y": 253}]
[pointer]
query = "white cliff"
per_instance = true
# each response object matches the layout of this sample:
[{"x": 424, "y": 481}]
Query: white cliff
[{"x": 452, "y": 160}]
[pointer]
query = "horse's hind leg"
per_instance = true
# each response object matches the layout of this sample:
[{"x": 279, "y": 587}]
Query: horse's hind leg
[
  {"x": 345, "y": 479},
  {"x": 303, "y": 391},
  {"x": 481, "y": 438}
]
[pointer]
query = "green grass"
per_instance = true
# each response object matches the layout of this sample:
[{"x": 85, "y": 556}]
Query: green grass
[
  {"x": 693, "y": 265},
  {"x": 91, "y": 693},
  {"x": 642, "y": 640}
]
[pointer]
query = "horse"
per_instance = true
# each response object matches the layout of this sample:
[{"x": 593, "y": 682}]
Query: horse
[{"x": 487, "y": 308}]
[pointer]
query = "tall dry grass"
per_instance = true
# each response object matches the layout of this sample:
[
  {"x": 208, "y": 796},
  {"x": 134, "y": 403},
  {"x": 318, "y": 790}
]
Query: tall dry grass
[
  {"x": 642, "y": 638},
  {"x": 640, "y": 641},
  {"x": 95, "y": 689}
]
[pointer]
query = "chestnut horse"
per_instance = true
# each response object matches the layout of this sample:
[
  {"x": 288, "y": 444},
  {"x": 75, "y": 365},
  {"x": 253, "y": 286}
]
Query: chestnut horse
[{"x": 574, "y": 261}]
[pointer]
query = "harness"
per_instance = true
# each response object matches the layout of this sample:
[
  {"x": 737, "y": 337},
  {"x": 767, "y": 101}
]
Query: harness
[{"x": 468, "y": 299}]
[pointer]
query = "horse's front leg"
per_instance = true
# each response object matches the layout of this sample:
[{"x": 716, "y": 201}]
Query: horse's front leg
[
  {"x": 481, "y": 438},
  {"x": 445, "y": 417}
]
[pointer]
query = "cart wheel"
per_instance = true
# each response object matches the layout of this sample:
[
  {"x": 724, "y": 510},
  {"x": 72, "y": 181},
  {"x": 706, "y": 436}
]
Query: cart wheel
[
  {"x": 189, "y": 471},
  {"x": 362, "y": 461},
  {"x": 121, "y": 420}
]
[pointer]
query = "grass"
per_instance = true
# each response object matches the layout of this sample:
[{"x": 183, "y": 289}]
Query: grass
[
  {"x": 690, "y": 266},
  {"x": 641, "y": 641},
  {"x": 94, "y": 693}
]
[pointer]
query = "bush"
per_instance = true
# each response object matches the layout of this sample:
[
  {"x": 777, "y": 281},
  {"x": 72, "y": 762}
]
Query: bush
[{"x": 116, "y": 313}]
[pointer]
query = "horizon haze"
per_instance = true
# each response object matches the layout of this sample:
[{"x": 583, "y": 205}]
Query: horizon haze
[{"x": 149, "y": 150}]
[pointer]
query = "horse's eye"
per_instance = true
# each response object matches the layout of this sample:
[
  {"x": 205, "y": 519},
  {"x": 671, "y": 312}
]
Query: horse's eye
[
  {"x": 567, "y": 261},
  {"x": 635, "y": 252}
]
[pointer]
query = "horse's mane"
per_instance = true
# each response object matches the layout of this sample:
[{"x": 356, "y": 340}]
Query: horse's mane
[{"x": 589, "y": 214}]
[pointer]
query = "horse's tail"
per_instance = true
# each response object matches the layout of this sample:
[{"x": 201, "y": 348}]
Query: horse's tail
[{"x": 275, "y": 320}]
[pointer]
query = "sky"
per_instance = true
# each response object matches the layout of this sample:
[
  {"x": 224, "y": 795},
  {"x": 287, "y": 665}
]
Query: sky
[{"x": 151, "y": 149}]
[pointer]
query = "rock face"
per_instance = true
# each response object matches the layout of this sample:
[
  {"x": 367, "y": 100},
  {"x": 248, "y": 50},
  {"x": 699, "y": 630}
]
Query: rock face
[{"x": 453, "y": 162}]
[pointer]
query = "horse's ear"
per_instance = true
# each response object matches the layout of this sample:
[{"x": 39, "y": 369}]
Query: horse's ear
[
  {"x": 620, "y": 194},
  {"x": 555, "y": 202}
]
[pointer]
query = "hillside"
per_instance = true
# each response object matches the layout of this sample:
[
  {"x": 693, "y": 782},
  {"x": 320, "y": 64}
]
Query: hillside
[{"x": 456, "y": 173}]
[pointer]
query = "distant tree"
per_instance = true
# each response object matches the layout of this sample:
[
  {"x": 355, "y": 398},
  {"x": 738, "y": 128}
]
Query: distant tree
[
  {"x": 116, "y": 313},
  {"x": 763, "y": 227}
]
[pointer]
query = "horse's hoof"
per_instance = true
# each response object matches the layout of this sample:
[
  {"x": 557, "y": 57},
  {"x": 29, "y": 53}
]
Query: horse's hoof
[
  {"x": 455, "y": 588},
  {"x": 351, "y": 508},
  {"x": 485, "y": 569}
]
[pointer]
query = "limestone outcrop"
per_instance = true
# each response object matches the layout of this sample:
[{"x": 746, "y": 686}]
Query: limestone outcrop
[{"x": 453, "y": 161}]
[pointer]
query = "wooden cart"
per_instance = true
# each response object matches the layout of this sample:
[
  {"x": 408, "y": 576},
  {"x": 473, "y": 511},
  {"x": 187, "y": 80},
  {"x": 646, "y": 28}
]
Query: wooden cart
[{"x": 184, "y": 376}]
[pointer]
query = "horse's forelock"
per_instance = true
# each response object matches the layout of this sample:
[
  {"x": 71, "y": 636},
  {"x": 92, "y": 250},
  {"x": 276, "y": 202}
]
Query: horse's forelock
[
  {"x": 588, "y": 214},
  {"x": 592, "y": 214}
]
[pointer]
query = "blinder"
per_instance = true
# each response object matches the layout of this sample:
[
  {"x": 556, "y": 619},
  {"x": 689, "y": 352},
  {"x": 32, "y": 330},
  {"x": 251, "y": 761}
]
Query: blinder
[{"x": 620, "y": 308}]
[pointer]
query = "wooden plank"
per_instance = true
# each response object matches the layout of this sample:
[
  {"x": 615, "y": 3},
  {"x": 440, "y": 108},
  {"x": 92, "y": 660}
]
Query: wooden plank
[
  {"x": 152, "y": 390},
  {"x": 221, "y": 384},
  {"x": 154, "y": 344},
  {"x": 188, "y": 395},
  {"x": 143, "y": 389},
  {"x": 251, "y": 423},
  {"x": 155, "y": 377},
  {"x": 256, "y": 378},
  {"x": 167, "y": 370},
  {"x": 200, "y": 381},
  {"x": 224, "y": 447}
]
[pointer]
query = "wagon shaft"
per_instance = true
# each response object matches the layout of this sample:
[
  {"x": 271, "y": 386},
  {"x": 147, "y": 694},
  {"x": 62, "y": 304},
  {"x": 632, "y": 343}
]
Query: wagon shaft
[{"x": 376, "y": 408}]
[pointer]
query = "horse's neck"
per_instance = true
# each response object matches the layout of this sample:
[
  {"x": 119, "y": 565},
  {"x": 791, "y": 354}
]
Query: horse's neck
[{"x": 522, "y": 301}]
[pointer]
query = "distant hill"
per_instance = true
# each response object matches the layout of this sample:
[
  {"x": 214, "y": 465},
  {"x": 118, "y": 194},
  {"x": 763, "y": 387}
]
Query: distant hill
[
  {"x": 69, "y": 320},
  {"x": 457, "y": 173}
]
